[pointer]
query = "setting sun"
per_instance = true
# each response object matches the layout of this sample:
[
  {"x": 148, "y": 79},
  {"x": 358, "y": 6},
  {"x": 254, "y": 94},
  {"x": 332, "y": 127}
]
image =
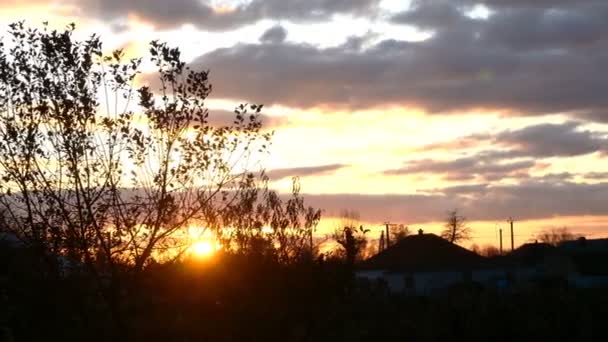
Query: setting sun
[{"x": 202, "y": 248}]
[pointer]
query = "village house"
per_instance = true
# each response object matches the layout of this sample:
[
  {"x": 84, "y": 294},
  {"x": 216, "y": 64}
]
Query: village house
[
  {"x": 425, "y": 264},
  {"x": 421, "y": 264}
]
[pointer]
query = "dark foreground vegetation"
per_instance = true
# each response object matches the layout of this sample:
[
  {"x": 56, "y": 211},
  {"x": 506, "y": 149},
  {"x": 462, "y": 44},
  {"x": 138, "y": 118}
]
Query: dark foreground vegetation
[{"x": 249, "y": 298}]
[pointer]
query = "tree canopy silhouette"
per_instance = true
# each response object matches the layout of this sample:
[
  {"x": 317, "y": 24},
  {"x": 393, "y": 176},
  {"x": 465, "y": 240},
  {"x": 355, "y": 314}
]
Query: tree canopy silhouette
[
  {"x": 555, "y": 236},
  {"x": 107, "y": 172},
  {"x": 455, "y": 228},
  {"x": 350, "y": 238}
]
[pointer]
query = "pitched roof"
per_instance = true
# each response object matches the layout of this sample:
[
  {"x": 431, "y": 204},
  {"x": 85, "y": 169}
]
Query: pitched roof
[
  {"x": 424, "y": 252},
  {"x": 532, "y": 253},
  {"x": 583, "y": 245},
  {"x": 527, "y": 255}
]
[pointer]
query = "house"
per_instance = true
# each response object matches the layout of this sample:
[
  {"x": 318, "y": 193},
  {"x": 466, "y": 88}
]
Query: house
[
  {"x": 422, "y": 264},
  {"x": 590, "y": 259},
  {"x": 426, "y": 263},
  {"x": 534, "y": 264},
  {"x": 580, "y": 263}
]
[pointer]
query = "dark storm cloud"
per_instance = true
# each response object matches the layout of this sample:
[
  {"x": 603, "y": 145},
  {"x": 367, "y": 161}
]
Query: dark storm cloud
[
  {"x": 170, "y": 14},
  {"x": 531, "y": 200},
  {"x": 522, "y": 60},
  {"x": 277, "y": 174}
]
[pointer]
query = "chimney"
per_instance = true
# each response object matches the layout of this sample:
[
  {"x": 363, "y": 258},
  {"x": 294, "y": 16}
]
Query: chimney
[{"x": 420, "y": 232}]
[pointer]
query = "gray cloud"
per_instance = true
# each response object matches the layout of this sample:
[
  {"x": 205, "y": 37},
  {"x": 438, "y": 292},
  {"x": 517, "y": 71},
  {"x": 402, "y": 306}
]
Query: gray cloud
[
  {"x": 466, "y": 168},
  {"x": 432, "y": 14},
  {"x": 538, "y": 141},
  {"x": 525, "y": 61},
  {"x": 461, "y": 189},
  {"x": 547, "y": 29},
  {"x": 531, "y": 200},
  {"x": 221, "y": 118},
  {"x": 533, "y": 4},
  {"x": 169, "y": 14},
  {"x": 531, "y": 143},
  {"x": 596, "y": 175},
  {"x": 599, "y": 116},
  {"x": 277, "y": 174},
  {"x": 552, "y": 140},
  {"x": 274, "y": 35}
]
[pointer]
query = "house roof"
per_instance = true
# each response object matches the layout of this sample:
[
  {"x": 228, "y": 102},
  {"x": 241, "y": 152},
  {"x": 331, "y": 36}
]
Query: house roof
[
  {"x": 526, "y": 255},
  {"x": 532, "y": 253},
  {"x": 423, "y": 252},
  {"x": 583, "y": 245},
  {"x": 589, "y": 255}
]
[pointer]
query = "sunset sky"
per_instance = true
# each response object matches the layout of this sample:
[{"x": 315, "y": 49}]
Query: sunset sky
[{"x": 400, "y": 110}]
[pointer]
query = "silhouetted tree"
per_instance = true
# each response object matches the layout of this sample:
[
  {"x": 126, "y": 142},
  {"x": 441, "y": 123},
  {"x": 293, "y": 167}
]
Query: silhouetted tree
[
  {"x": 260, "y": 215},
  {"x": 112, "y": 180},
  {"x": 455, "y": 228},
  {"x": 486, "y": 250},
  {"x": 353, "y": 242},
  {"x": 555, "y": 236},
  {"x": 350, "y": 236},
  {"x": 348, "y": 218},
  {"x": 399, "y": 232},
  {"x": 104, "y": 173}
]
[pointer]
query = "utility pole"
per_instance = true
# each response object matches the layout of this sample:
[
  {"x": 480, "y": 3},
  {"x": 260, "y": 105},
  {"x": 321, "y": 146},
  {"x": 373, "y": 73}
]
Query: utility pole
[
  {"x": 381, "y": 245},
  {"x": 500, "y": 236},
  {"x": 388, "y": 234},
  {"x": 512, "y": 235}
]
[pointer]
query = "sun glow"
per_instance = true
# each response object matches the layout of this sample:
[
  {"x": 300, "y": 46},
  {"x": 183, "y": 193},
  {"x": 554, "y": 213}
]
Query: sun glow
[{"x": 202, "y": 248}]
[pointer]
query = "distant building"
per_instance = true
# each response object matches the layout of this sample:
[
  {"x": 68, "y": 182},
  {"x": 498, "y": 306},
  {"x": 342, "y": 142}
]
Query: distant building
[
  {"x": 426, "y": 263},
  {"x": 421, "y": 264},
  {"x": 590, "y": 258}
]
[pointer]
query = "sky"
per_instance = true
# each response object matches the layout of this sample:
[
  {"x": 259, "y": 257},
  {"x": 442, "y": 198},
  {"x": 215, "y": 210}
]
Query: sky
[{"x": 399, "y": 110}]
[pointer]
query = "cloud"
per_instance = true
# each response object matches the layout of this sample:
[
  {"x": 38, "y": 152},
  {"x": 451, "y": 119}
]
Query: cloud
[
  {"x": 274, "y": 35},
  {"x": 596, "y": 175},
  {"x": 221, "y": 118},
  {"x": 538, "y": 141},
  {"x": 552, "y": 140},
  {"x": 466, "y": 168},
  {"x": 535, "y": 199},
  {"x": 533, "y": 4},
  {"x": 521, "y": 61},
  {"x": 202, "y": 14},
  {"x": 461, "y": 189},
  {"x": 431, "y": 14},
  {"x": 513, "y": 153},
  {"x": 278, "y": 174},
  {"x": 599, "y": 116}
]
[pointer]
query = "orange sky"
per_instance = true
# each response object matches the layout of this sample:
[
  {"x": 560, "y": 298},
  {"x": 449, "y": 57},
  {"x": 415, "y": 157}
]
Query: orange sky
[{"x": 399, "y": 110}]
